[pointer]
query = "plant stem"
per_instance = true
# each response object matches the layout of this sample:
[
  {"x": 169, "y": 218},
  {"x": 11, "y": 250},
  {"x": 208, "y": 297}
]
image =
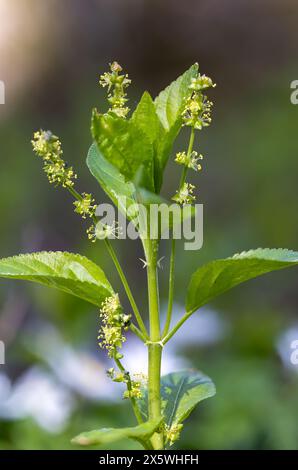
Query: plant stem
[
  {"x": 154, "y": 347},
  {"x": 189, "y": 150},
  {"x": 171, "y": 289},
  {"x": 127, "y": 288},
  {"x": 154, "y": 399},
  {"x": 172, "y": 261}
]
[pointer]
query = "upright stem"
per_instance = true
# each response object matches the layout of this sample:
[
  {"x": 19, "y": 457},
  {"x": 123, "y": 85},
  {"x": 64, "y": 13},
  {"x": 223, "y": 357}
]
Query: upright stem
[
  {"x": 171, "y": 289},
  {"x": 154, "y": 346}
]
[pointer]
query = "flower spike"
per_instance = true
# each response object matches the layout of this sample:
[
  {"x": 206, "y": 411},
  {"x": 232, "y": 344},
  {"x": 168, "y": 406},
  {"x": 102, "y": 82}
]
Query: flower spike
[{"x": 116, "y": 84}]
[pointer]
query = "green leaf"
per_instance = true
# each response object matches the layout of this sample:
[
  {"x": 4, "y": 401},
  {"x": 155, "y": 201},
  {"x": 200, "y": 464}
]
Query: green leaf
[
  {"x": 169, "y": 106},
  {"x": 110, "y": 179},
  {"x": 123, "y": 193},
  {"x": 218, "y": 276},
  {"x": 169, "y": 103},
  {"x": 140, "y": 433},
  {"x": 146, "y": 119},
  {"x": 69, "y": 272},
  {"x": 181, "y": 392},
  {"x": 126, "y": 146}
]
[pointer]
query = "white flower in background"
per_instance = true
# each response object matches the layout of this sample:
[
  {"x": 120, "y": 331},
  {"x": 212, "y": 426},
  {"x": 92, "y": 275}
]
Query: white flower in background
[
  {"x": 5, "y": 387},
  {"x": 285, "y": 347},
  {"x": 136, "y": 360},
  {"x": 38, "y": 396},
  {"x": 48, "y": 398},
  {"x": 80, "y": 371},
  {"x": 203, "y": 328}
]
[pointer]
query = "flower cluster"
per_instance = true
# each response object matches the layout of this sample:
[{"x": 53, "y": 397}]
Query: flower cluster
[
  {"x": 117, "y": 376},
  {"x": 195, "y": 114},
  {"x": 133, "y": 386},
  {"x": 189, "y": 161},
  {"x": 197, "y": 109},
  {"x": 185, "y": 194},
  {"x": 85, "y": 206},
  {"x": 172, "y": 433},
  {"x": 134, "y": 390},
  {"x": 117, "y": 84},
  {"x": 102, "y": 231},
  {"x": 114, "y": 321},
  {"x": 47, "y": 146}
]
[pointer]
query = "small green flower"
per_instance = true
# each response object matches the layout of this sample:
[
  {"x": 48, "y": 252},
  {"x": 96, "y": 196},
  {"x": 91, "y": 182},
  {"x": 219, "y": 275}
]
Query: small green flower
[
  {"x": 190, "y": 161},
  {"x": 111, "y": 305},
  {"x": 58, "y": 173},
  {"x": 85, "y": 207},
  {"x": 173, "y": 432},
  {"x": 114, "y": 321},
  {"x": 47, "y": 146},
  {"x": 201, "y": 82},
  {"x": 111, "y": 373},
  {"x": 134, "y": 392},
  {"x": 197, "y": 111},
  {"x": 116, "y": 84},
  {"x": 102, "y": 231},
  {"x": 185, "y": 194}
]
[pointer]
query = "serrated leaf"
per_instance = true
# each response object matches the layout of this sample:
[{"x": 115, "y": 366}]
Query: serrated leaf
[
  {"x": 181, "y": 392},
  {"x": 140, "y": 433},
  {"x": 169, "y": 103},
  {"x": 218, "y": 276},
  {"x": 69, "y": 272},
  {"x": 126, "y": 146}
]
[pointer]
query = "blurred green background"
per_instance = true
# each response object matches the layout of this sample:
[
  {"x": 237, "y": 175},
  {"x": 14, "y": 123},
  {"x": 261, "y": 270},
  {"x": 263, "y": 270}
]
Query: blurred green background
[{"x": 53, "y": 384}]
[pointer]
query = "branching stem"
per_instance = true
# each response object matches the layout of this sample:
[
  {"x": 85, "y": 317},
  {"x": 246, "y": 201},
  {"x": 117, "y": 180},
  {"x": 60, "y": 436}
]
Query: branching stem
[
  {"x": 177, "y": 326},
  {"x": 127, "y": 288}
]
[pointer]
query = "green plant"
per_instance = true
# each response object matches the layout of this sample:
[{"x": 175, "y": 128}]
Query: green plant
[{"x": 128, "y": 157}]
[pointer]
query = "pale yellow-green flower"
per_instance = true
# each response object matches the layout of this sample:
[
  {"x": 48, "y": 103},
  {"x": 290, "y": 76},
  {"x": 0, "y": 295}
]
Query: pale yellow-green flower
[{"x": 116, "y": 84}]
